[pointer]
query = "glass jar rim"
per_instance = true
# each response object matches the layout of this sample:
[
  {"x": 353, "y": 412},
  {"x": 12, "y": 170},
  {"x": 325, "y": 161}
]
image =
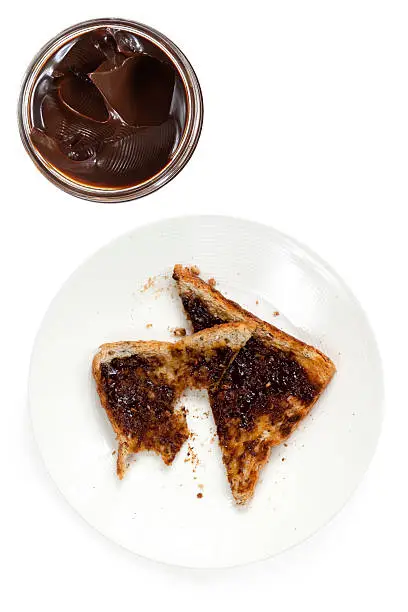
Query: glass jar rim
[{"x": 189, "y": 138}]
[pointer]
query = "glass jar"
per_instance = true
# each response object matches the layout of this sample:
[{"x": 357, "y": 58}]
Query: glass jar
[{"x": 185, "y": 146}]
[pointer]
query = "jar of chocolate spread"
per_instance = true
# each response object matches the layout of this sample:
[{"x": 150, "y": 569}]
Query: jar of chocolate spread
[{"x": 110, "y": 110}]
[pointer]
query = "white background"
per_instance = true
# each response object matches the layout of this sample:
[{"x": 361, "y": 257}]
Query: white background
[{"x": 318, "y": 149}]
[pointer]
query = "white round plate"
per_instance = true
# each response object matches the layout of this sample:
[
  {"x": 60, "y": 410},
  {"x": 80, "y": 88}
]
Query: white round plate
[{"x": 155, "y": 511}]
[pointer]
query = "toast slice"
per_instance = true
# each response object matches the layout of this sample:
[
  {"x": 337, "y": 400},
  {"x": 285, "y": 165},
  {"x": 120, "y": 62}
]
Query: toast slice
[
  {"x": 269, "y": 388},
  {"x": 139, "y": 384}
]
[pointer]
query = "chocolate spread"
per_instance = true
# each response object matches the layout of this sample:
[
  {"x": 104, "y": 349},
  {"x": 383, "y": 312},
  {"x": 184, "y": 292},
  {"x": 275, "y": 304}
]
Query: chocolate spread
[
  {"x": 204, "y": 369},
  {"x": 142, "y": 401},
  {"x": 108, "y": 109},
  {"x": 198, "y": 313},
  {"x": 138, "y": 399},
  {"x": 259, "y": 381}
]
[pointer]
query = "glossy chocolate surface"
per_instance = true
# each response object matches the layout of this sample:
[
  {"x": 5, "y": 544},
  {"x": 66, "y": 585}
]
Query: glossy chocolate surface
[{"x": 109, "y": 109}]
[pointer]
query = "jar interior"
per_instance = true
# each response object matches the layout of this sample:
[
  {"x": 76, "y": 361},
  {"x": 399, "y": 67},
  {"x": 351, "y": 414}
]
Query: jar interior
[{"x": 108, "y": 109}]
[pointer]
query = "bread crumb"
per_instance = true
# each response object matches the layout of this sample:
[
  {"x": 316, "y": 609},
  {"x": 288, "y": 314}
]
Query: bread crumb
[
  {"x": 148, "y": 325},
  {"x": 268, "y": 384},
  {"x": 195, "y": 270},
  {"x": 149, "y": 283},
  {"x": 199, "y": 495},
  {"x": 179, "y": 331},
  {"x": 283, "y": 458},
  {"x": 113, "y": 452},
  {"x": 192, "y": 457},
  {"x": 276, "y": 313},
  {"x": 257, "y": 302},
  {"x": 212, "y": 282},
  {"x": 284, "y": 444},
  {"x": 201, "y": 486}
]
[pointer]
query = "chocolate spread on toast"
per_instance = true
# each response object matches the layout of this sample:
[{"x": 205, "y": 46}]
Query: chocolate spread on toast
[
  {"x": 139, "y": 389},
  {"x": 141, "y": 402},
  {"x": 259, "y": 381}
]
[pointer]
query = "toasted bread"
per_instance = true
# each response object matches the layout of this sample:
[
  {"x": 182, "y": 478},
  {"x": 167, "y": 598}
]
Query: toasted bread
[
  {"x": 270, "y": 386},
  {"x": 139, "y": 384}
]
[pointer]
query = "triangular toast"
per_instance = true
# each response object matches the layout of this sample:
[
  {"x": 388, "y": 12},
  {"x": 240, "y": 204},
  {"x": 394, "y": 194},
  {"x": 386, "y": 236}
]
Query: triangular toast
[
  {"x": 139, "y": 384},
  {"x": 268, "y": 389}
]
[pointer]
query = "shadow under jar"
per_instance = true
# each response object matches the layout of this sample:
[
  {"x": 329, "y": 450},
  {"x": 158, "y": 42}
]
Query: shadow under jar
[{"x": 110, "y": 110}]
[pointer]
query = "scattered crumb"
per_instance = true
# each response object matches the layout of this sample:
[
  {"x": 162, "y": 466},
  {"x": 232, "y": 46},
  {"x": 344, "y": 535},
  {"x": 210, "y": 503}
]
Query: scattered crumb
[
  {"x": 268, "y": 384},
  {"x": 148, "y": 325},
  {"x": 257, "y": 302},
  {"x": 113, "y": 452},
  {"x": 283, "y": 458},
  {"x": 192, "y": 457},
  {"x": 195, "y": 270},
  {"x": 212, "y": 282},
  {"x": 179, "y": 331},
  {"x": 284, "y": 444},
  {"x": 199, "y": 495},
  {"x": 150, "y": 282},
  {"x": 276, "y": 313},
  {"x": 201, "y": 486}
]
